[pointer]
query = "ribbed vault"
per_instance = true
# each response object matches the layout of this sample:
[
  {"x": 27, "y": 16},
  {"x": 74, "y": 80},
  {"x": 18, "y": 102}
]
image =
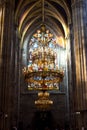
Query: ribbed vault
[{"x": 28, "y": 17}]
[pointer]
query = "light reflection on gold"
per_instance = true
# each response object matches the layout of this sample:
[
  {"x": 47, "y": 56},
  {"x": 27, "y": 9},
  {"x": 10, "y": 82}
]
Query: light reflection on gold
[{"x": 43, "y": 102}]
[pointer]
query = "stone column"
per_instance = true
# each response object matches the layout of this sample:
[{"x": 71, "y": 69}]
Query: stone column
[
  {"x": 68, "y": 75},
  {"x": 79, "y": 65},
  {"x": 7, "y": 64},
  {"x": 2, "y": 13},
  {"x": 18, "y": 70}
]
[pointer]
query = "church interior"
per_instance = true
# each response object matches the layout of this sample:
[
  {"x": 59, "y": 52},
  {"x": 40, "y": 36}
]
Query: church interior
[{"x": 43, "y": 64}]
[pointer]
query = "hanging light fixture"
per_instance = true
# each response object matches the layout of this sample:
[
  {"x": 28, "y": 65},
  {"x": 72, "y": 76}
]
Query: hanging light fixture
[
  {"x": 43, "y": 101},
  {"x": 42, "y": 72}
]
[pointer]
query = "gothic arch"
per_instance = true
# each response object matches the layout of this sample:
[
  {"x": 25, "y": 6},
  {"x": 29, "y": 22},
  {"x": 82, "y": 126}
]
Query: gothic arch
[{"x": 56, "y": 12}]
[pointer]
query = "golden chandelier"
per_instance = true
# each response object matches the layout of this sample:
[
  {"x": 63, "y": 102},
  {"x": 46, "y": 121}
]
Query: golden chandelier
[{"x": 42, "y": 72}]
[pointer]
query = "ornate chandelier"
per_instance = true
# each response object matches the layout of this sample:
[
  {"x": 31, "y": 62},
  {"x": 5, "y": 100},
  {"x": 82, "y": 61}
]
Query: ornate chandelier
[{"x": 42, "y": 72}]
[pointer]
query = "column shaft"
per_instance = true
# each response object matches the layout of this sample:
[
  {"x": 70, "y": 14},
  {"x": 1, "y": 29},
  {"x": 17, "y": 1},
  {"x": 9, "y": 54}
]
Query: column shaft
[{"x": 80, "y": 60}]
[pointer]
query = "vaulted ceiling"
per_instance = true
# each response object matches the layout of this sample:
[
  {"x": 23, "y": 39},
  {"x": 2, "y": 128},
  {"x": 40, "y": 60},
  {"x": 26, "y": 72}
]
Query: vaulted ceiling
[{"x": 28, "y": 16}]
